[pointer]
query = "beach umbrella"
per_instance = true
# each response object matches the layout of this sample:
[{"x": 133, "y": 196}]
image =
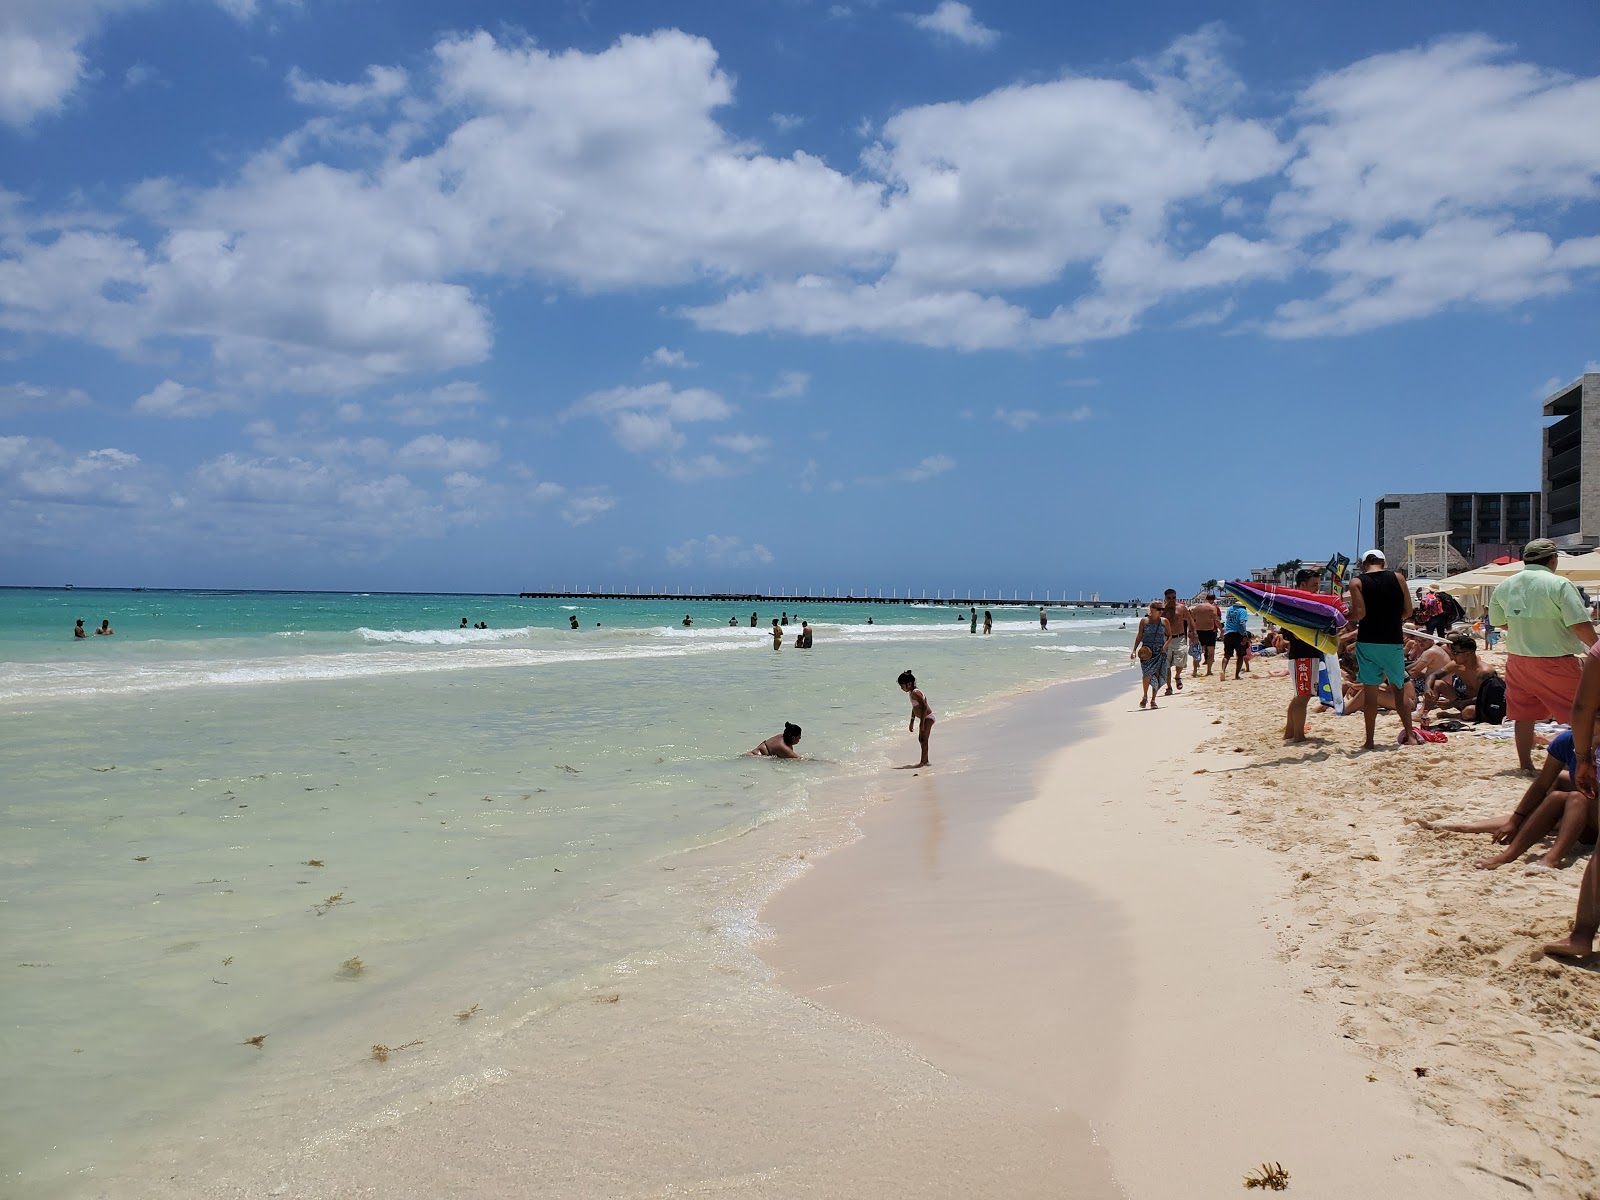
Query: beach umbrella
[{"x": 1313, "y": 617}]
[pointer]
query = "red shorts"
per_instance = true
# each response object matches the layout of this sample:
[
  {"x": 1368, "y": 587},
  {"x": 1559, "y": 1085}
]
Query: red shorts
[
  {"x": 1541, "y": 689},
  {"x": 1304, "y": 673}
]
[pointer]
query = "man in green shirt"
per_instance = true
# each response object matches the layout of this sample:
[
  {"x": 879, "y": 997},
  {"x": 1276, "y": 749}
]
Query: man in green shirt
[{"x": 1546, "y": 624}]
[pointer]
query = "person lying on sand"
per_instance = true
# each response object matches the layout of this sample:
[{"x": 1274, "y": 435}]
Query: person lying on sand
[
  {"x": 780, "y": 745},
  {"x": 1551, "y": 802}
]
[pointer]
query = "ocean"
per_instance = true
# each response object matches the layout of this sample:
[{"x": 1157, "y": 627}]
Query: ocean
[{"x": 345, "y": 826}]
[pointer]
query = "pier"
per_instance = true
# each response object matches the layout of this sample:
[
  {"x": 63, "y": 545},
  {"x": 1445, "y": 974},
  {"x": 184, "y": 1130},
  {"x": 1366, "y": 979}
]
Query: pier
[{"x": 936, "y": 601}]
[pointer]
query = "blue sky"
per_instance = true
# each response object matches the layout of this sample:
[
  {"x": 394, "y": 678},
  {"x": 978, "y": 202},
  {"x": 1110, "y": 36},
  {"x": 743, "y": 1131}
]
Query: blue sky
[{"x": 773, "y": 294}]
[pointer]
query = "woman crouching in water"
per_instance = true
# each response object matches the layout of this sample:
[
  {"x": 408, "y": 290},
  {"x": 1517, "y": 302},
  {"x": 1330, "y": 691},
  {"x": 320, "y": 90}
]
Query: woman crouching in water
[{"x": 780, "y": 745}]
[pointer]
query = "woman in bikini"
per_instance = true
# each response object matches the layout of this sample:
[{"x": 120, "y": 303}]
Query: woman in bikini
[{"x": 921, "y": 715}]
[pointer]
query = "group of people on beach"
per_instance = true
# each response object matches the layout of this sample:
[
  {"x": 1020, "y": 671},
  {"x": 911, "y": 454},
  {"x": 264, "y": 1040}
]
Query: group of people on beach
[{"x": 1416, "y": 656}]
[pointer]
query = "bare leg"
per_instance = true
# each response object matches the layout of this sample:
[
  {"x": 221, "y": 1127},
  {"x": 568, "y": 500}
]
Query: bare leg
[
  {"x": 1524, "y": 739},
  {"x": 1489, "y": 826},
  {"x": 1542, "y": 820},
  {"x": 1580, "y": 944},
  {"x": 1570, "y": 831},
  {"x": 1407, "y": 702},
  {"x": 1369, "y": 712},
  {"x": 923, "y": 735},
  {"x": 1295, "y": 729}
]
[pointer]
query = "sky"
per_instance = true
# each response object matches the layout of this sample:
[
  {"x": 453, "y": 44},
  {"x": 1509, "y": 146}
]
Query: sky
[{"x": 774, "y": 294}]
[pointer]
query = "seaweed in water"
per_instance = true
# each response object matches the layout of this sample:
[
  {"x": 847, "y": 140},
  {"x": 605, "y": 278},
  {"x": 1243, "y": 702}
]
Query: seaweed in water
[
  {"x": 350, "y": 968},
  {"x": 255, "y": 1041},
  {"x": 381, "y": 1053},
  {"x": 336, "y": 899},
  {"x": 1272, "y": 1177},
  {"x": 312, "y": 862},
  {"x": 466, "y": 1014}
]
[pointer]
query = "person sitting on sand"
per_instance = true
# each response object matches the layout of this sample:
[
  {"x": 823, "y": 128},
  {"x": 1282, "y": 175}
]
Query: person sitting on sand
[
  {"x": 105, "y": 629},
  {"x": 1458, "y": 687},
  {"x": 780, "y": 745},
  {"x": 1551, "y": 802},
  {"x": 1425, "y": 659},
  {"x": 1585, "y": 709}
]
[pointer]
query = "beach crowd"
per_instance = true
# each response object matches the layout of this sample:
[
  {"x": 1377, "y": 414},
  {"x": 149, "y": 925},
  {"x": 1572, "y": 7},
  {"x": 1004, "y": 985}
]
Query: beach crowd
[{"x": 1415, "y": 654}]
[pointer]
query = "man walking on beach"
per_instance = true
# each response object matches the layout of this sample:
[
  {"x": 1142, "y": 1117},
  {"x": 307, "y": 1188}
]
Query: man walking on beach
[
  {"x": 1178, "y": 627},
  {"x": 1206, "y": 619},
  {"x": 1379, "y": 606},
  {"x": 1546, "y": 623}
]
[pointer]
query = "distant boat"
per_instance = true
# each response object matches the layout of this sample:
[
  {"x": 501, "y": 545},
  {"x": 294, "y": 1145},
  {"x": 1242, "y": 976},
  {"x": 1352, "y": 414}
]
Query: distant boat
[{"x": 69, "y": 587}]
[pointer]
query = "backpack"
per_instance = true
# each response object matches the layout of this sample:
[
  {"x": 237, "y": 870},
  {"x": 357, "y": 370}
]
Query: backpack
[
  {"x": 1491, "y": 701},
  {"x": 1451, "y": 608}
]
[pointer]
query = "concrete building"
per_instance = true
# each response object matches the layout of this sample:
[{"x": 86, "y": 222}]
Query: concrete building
[
  {"x": 1569, "y": 470},
  {"x": 1483, "y": 526}
]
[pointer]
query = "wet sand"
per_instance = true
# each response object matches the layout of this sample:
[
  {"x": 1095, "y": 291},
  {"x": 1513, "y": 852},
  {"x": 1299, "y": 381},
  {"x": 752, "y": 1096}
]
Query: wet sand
[{"x": 1082, "y": 926}]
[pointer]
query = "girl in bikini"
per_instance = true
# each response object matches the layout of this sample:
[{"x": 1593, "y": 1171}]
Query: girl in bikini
[
  {"x": 780, "y": 745},
  {"x": 921, "y": 711}
]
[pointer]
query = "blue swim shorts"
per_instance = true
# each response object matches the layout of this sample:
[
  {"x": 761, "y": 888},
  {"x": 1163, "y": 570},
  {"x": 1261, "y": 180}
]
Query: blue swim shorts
[{"x": 1376, "y": 662}]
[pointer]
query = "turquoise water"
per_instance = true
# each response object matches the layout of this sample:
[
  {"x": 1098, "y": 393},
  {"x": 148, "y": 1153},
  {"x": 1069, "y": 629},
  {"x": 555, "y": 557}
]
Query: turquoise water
[{"x": 339, "y": 820}]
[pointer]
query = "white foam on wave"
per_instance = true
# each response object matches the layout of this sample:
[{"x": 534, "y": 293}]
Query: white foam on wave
[
  {"x": 440, "y": 637},
  {"x": 1069, "y": 649}
]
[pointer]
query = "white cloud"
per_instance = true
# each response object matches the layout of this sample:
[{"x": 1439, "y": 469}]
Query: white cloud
[
  {"x": 717, "y": 551},
  {"x": 934, "y": 464},
  {"x": 172, "y": 399},
  {"x": 1022, "y": 419},
  {"x": 1424, "y": 165},
  {"x": 790, "y": 384},
  {"x": 954, "y": 20},
  {"x": 743, "y": 443},
  {"x": 661, "y": 356},
  {"x": 449, "y": 402},
  {"x": 580, "y": 510},
  {"x": 432, "y": 452},
  {"x": 17, "y": 398},
  {"x": 644, "y": 420},
  {"x": 702, "y": 466},
  {"x": 40, "y": 470},
  {"x": 787, "y": 122},
  {"x": 382, "y": 84}
]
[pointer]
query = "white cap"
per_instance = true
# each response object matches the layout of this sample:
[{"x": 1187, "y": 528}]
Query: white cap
[{"x": 1374, "y": 554}]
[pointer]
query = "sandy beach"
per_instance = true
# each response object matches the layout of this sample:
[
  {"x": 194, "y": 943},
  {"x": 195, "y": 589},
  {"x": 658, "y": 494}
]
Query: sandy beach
[{"x": 1218, "y": 951}]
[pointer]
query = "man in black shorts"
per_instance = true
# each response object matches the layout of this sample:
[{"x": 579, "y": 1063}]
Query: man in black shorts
[
  {"x": 1235, "y": 637},
  {"x": 1206, "y": 619}
]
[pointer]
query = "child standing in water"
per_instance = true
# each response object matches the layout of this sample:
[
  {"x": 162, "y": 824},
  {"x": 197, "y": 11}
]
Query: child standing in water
[{"x": 921, "y": 712}]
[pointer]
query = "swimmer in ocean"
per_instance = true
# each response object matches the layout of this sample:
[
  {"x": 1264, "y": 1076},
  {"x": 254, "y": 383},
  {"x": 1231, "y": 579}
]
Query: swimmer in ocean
[{"x": 780, "y": 745}]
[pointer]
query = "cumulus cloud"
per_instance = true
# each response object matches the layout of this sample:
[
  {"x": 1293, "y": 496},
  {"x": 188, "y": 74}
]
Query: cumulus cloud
[
  {"x": 381, "y": 85},
  {"x": 717, "y": 551},
  {"x": 934, "y": 464},
  {"x": 661, "y": 356},
  {"x": 790, "y": 384},
  {"x": 581, "y": 509},
  {"x": 644, "y": 420},
  {"x": 18, "y": 398},
  {"x": 743, "y": 443},
  {"x": 172, "y": 399},
  {"x": 436, "y": 406},
  {"x": 432, "y": 452},
  {"x": 350, "y": 252},
  {"x": 1023, "y": 419},
  {"x": 955, "y": 21},
  {"x": 38, "y": 469}
]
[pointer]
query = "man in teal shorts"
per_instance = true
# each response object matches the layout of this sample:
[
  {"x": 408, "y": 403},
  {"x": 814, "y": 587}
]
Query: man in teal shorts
[{"x": 1380, "y": 602}]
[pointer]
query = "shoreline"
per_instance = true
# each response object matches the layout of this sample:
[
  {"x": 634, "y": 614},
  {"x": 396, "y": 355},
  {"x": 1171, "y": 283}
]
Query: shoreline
[{"x": 1052, "y": 957}]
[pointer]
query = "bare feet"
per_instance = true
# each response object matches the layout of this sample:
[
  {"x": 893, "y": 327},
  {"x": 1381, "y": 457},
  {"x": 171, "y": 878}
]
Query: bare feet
[
  {"x": 913, "y": 766},
  {"x": 1143, "y": 702},
  {"x": 1574, "y": 948},
  {"x": 1499, "y": 860}
]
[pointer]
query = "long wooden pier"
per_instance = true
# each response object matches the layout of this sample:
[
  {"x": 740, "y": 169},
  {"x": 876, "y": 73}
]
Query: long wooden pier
[{"x": 1015, "y": 601}]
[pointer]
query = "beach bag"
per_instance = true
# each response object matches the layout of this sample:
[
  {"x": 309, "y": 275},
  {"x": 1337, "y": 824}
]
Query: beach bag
[
  {"x": 1491, "y": 701},
  {"x": 1146, "y": 654}
]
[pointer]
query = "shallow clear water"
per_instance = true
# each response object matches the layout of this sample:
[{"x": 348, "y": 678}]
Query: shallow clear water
[{"x": 211, "y": 816}]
